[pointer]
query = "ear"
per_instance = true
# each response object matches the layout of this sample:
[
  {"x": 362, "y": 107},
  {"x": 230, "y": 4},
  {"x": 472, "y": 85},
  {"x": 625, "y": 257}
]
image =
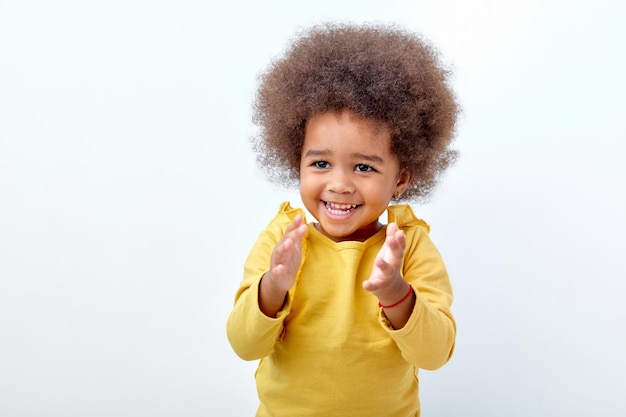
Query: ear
[{"x": 404, "y": 180}]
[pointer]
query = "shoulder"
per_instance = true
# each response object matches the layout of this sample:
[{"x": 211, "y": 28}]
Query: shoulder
[
  {"x": 286, "y": 213},
  {"x": 405, "y": 218},
  {"x": 416, "y": 231},
  {"x": 284, "y": 216},
  {"x": 273, "y": 232},
  {"x": 421, "y": 254}
]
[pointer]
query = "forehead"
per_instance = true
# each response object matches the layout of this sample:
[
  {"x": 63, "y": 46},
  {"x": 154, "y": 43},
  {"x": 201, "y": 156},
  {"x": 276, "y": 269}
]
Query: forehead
[{"x": 346, "y": 129}]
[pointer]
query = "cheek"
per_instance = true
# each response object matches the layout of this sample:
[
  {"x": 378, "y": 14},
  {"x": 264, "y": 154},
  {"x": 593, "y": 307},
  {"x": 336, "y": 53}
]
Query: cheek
[
  {"x": 385, "y": 189},
  {"x": 305, "y": 184}
]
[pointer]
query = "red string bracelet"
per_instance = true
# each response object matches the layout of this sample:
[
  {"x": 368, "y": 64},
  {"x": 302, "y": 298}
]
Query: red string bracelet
[{"x": 408, "y": 294}]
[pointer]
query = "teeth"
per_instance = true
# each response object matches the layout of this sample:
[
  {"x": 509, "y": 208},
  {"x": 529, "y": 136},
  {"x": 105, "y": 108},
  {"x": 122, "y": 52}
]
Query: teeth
[{"x": 340, "y": 208}]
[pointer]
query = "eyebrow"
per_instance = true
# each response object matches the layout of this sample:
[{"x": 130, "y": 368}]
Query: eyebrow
[
  {"x": 370, "y": 158},
  {"x": 325, "y": 152}
]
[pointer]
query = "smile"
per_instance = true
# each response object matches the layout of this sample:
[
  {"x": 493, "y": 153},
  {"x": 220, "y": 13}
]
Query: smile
[{"x": 340, "y": 209}]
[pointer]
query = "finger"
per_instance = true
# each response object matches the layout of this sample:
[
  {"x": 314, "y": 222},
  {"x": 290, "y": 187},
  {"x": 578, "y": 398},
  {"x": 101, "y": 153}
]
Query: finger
[
  {"x": 291, "y": 230},
  {"x": 385, "y": 267},
  {"x": 392, "y": 254},
  {"x": 381, "y": 273},
  {"x": 297, "y": 221},
  {"x": 375, "y": 281},
  {"x": 296, "y": 230},
  {"x": 396, "y": 241},
  {"x": 282, "y": 251},
  {"x": 369, "y": 285},
  {"x": 400, "y": 240}
]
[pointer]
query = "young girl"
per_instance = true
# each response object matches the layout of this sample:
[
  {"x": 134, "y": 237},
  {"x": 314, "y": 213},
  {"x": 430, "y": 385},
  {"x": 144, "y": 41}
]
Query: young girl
[{"x": 343, "y": 312}]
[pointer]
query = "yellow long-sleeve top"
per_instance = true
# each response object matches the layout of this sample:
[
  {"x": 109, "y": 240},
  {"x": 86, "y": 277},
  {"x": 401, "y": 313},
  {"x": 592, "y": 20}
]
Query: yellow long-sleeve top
[{"x": 330, "y": 351}]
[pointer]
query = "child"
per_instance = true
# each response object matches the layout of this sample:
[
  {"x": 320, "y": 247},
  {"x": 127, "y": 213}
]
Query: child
[{"x": 343, "y": 312}]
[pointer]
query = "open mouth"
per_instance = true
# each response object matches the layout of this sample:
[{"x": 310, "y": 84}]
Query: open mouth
[{"x": 340, "y": 209}]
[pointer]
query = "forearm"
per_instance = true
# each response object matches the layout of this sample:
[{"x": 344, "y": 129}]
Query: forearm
[
  {"x": 271, "y": 300},
  {"x": 427, "y": 339},
  {"x": 398, "y": 305},
  {"x": 251, "y": 333}
]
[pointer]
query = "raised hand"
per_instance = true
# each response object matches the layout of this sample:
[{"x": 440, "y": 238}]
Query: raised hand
[
  {"x": 386, "y": 281},
  {"x": 284, "y": 265},
  {"x": 386, "y": 276}
]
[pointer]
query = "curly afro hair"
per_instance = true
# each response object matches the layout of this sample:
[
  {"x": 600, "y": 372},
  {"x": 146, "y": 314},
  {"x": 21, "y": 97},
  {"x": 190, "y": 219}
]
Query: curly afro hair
[{"x": 381, "y": 73}]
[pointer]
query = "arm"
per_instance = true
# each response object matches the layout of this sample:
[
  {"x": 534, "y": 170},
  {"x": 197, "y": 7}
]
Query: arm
[
  {"x": 262, "y": 302},
  {"x": 284, "y": 266},
  {"x": 427, "y": 339},
  {"x": 422, "y": 325},
  {"x": 386, "y": 281}
]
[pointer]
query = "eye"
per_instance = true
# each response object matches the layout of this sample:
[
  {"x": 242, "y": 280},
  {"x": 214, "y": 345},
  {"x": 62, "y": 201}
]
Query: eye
[
  {"x": 363, "y": 168},
  {"x": 321, "y": 164}
]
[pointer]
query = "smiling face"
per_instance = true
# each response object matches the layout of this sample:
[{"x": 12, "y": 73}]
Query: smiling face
[{"x": 348, "y": 174}]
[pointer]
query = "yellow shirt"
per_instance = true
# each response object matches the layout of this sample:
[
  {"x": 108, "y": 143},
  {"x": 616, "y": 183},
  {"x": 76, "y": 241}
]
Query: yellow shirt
[{"x": 330, "y": 351}]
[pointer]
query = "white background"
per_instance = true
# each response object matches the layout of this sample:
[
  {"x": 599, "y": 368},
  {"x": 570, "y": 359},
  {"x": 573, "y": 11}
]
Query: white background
[{"x": 129, "y": 198}]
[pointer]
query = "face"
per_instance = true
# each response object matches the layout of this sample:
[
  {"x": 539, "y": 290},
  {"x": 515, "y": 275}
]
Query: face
[{"x": 348, "y": 174}]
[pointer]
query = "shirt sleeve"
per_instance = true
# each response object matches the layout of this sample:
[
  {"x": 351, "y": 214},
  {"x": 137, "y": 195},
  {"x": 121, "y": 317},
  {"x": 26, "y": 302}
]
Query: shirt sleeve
[
  {"x": 427, "y": 339},
  {"x": 250, "y": 332}
]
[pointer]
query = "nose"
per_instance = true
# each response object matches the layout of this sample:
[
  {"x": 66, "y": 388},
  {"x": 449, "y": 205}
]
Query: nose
[{"x": 340, "y": 182}]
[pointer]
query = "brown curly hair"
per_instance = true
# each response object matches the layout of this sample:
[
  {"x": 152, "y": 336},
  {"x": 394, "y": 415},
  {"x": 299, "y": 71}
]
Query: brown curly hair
[{"x": 382, "y": 73}]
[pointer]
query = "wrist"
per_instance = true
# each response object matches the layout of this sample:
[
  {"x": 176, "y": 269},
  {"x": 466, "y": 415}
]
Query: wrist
[
  {"x": 398, "y": 295},
  {"x": 270, "y": 287},
  {"x": 271, "y": 300}
]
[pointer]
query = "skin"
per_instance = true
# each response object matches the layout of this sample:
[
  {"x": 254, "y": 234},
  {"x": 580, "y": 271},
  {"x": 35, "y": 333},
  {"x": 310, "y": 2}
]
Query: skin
[{"x": 348, "y": 176}]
